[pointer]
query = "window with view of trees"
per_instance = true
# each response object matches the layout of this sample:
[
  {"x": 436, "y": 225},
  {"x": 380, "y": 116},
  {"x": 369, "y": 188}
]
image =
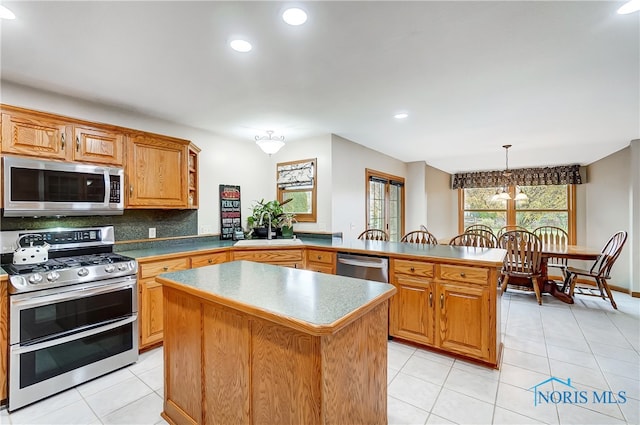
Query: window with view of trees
[
  {"x": 548, "y": 205},
  {"x": 385, "y": 203},
  {"x": 297, "y": 183}
]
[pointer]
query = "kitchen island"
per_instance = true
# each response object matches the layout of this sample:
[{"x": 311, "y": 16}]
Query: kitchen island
[{"x": 246, "y": 342}]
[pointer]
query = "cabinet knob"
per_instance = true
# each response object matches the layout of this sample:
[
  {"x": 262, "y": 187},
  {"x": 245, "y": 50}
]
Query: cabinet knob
[
  {"x": 130, "y": 190},
  {"x": 319, "y": 257},
  {"x": 62, "y": 142},
  {"x": 441, "y": 301},
  {"x": 165, "y": 268},
  {"x": 77, "y": 144},
  {"x": 430, "y": 299},
  {"x": 413, "y": 269},
  {"x": 462, "y": 274},
  {"x": 210, "y": 260}
]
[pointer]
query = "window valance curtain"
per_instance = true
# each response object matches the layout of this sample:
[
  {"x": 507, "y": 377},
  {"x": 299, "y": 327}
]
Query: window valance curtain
[
  {"x": 564, "y": 174},
  {"x": 299, "y": 175}
]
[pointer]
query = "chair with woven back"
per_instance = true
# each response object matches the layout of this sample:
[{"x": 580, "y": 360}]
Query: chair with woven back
[
  {"x": 599, "y": 271},
  {"x": 374, "y": 235},
  {"x": 557, "y": 237},
  {"x": 485, "y": 233},
  {"x": 420, "y": 237},
  {"x": 472, "y": 239},
  {"x": 523, "y": 260},
  {"x": 508, "y": 228}
]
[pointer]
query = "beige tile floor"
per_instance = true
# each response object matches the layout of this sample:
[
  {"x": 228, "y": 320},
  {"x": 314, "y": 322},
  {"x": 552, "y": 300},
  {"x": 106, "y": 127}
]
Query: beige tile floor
[{"x": 589, "y": 342}]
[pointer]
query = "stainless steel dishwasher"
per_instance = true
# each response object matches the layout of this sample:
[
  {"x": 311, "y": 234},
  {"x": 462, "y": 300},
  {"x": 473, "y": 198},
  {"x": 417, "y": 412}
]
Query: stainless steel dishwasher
[{"x": 363, "y": 267}]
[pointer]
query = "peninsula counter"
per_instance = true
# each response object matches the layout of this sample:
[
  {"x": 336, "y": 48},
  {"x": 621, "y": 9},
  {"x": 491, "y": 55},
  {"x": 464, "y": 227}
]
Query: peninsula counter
[{"x": 246, "y": 342}]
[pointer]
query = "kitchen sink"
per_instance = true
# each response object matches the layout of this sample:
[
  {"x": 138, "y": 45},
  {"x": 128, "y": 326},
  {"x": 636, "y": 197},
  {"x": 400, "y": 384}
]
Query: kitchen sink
[{"x": 268, "y": 242}]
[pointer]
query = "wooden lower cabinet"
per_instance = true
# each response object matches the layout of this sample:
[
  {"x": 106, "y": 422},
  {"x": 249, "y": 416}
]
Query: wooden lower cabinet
[
  {"x": 150, "y": 311},
  {"x": 279, "y": 257},
  {"x": 321, "y": 261},
  {"x": 209, "y": 259},
  {"x": 451, "y": 307},
  {"x": 463, "y": 319}
]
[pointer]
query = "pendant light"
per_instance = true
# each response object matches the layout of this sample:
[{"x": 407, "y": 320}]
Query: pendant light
[
  {"x": 503, "y": 193},
  {"x": 270, "y": 144}
]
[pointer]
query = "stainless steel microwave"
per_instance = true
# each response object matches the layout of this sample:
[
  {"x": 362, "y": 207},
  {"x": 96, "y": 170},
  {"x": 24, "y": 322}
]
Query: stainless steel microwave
[{"x": 35, "y": 187}]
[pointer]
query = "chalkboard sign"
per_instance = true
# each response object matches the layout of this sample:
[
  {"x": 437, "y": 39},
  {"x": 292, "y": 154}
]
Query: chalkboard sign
[{"x": 230, "y": 219}]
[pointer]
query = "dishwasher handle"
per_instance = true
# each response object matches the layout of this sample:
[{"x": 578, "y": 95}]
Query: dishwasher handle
[{"x": 373, "y": 264}]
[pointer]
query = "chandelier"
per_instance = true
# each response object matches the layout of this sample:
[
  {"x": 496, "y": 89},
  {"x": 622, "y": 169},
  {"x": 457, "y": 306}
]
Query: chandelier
[
  {"x": 270, "y": 144},
  {"x": 503, "y": 192}
]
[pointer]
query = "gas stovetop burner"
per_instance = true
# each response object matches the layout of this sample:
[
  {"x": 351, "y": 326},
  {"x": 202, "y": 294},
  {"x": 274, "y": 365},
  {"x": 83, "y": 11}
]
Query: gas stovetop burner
[
  {"x": 75, "y": 256},
  {"x": 66, "y": 263}
]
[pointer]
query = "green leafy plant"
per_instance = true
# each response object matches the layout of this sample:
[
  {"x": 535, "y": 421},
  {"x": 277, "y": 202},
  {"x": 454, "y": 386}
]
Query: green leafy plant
[{"x": 261, "y": 209}]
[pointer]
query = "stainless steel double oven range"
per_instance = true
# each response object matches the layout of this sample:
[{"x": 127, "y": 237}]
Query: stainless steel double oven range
[{"x": 73, "y": 317}]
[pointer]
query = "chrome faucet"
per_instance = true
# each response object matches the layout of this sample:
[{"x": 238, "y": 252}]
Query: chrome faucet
[{"x": 269, "y": 234}]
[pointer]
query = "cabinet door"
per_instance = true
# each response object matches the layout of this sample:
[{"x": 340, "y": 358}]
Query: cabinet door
[
  {"x": 35, "y": 136},
  {"x": 411, "y": 310},
  {"x": 150, "y": 312},
  {"x": 463, "y": 319},
  {"x": 156, "y": 173},
  {"x": 98, "y": 146}
]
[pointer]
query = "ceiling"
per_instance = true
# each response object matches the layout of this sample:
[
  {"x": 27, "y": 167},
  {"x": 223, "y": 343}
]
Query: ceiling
[{"x": 559, "y": 80}]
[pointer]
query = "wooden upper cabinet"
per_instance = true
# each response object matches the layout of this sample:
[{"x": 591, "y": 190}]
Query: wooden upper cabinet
[
  {"x": 48, "y": 136},
  {"x": 35, "y": 136},
  {"x": 97, "y": 145},
  {"x": 156, "y": 172}
]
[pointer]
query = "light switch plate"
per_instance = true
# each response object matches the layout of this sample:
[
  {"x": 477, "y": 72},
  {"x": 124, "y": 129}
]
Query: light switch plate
[{"x": 152, "y": 232}]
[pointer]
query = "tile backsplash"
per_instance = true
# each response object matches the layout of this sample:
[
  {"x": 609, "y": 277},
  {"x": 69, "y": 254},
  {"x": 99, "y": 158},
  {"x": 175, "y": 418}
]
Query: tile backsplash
[{"x": 132, "y": 225}]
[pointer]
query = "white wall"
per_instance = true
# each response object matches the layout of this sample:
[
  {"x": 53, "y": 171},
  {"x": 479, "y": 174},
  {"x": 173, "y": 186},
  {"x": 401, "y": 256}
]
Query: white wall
[
  {"x": 607, "y": 209},
  {"x": 634, "y": 216},
  {"x": 349, "y": 161},
  {"x": 442, "y": 204},
  {"x": 416, "y": 196}
]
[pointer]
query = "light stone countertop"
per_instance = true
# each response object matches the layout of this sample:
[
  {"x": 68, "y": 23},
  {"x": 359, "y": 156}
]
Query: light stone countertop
[{"x": 317, "y": 303}]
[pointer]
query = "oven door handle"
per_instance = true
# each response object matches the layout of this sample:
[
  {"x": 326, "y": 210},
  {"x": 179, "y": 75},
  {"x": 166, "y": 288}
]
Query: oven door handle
[
  {"x": 17, "y": 349},
  {"x": 70, "y": 295}
]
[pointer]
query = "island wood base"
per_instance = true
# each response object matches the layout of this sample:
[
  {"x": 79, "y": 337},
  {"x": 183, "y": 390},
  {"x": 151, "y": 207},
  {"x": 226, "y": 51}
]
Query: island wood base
[{"x": 225, "y": 366}]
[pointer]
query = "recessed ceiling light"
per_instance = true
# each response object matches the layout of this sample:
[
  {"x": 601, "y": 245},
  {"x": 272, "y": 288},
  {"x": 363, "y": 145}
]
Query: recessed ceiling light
[
  {"x": 401, "y": 115},
  {"x": 242, "y": 46},
  {"x": 6, "y": 13},
  {"x": 629, "y": 7},
  {"x": 294, "y": 16}
]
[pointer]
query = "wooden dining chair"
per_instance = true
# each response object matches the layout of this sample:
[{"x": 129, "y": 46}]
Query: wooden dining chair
[
  {"x": 472, "y": 239},
  {"x": 508, "y": 228},
  {"x": 485, "y": 233},
  {"x": 478, "y": 227},
  {"x": 557, "y": 237},
  {"x": 374, "y": 235},
  {"x": 599, "y": 271},
  {"x": 523, "y": 260},
  {"x": 420, "y": 237}
]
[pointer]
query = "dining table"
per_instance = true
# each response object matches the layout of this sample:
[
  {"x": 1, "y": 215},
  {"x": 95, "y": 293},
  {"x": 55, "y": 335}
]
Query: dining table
[{"x": 569, "y": 252}]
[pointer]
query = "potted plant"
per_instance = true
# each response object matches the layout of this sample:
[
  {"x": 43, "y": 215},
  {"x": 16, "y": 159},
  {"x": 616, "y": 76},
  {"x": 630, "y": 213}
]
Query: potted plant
[
  {"x": 261, "y": 213},
  {"x": 286, "y": 224}
]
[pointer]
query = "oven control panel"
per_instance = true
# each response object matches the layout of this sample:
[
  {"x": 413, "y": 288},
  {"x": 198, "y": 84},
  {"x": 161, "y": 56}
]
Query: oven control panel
[{"x": 61, "y": 238}]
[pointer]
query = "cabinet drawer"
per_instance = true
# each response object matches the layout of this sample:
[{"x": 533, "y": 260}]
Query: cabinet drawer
[
  {"x": 321, "y": 268},
  {"x": 464, "y": 274},
  {"x": 412, "y": 268},
  {"x": 316, "y": 256},
  {"x": 158, "y": 267},
  {"x": 269, "y": 255},
  {"x": 209, "y": 259}
]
